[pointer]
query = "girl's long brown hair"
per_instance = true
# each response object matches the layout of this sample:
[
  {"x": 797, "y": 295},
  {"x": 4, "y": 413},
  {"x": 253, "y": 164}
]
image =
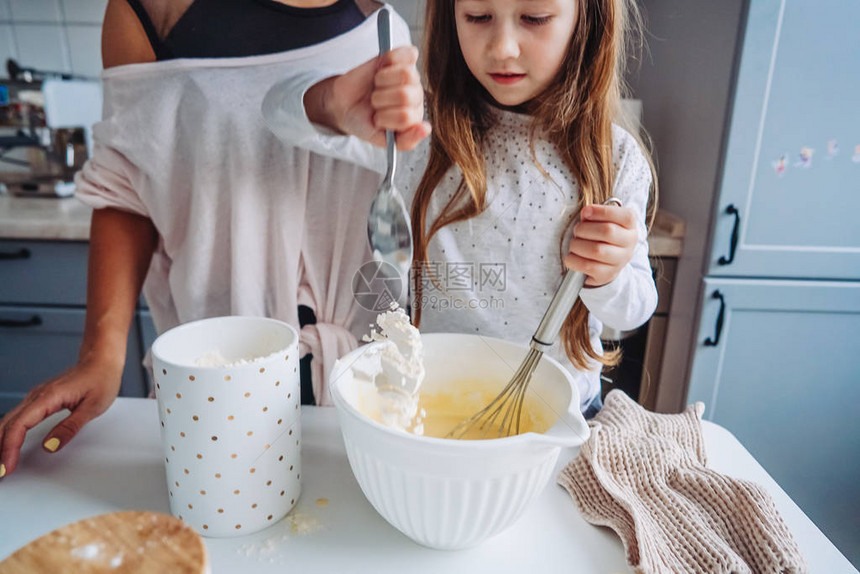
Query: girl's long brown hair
[{"x": 575, "y": 113}]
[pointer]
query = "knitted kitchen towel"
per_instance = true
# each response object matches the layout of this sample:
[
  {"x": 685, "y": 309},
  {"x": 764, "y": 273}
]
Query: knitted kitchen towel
[{"x": 643, "y": 475}]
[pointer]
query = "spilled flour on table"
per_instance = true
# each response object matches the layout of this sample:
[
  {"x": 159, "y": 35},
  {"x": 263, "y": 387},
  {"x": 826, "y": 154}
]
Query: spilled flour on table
[
  {"x": 303, "y": 523},
  {"x": 274, "y": 548}
]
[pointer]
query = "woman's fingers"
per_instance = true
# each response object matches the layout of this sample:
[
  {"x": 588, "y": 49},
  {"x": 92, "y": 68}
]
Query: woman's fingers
[
  {"x": 406, "y": 96},
  {"x": 398, "y": 119},
  {"x": 398, "y": 108},
  {"x": 402, "y": 55},
  {"x": 398, "y": 97},
  {"x": 85, "y": 390},
  {"x": 384, "y": 93},
  {"x": 408, "y": 139},
  {"x": 397, "y": 66},
  {"x": 67, "y": 428},
  {"x": 16, "y": 424},
  {"x": 396, "y": 73}
]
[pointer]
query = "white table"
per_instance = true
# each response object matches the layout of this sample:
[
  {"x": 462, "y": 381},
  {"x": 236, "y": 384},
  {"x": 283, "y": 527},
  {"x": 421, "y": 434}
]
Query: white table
[{"x": 115, "y": 464}]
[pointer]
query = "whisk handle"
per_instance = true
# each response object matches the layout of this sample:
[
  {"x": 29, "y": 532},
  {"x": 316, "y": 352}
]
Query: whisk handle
[{"x": 561, "y": 304}]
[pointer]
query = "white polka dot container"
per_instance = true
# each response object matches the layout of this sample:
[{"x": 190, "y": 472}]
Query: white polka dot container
[{"x": 228, "y": 403}]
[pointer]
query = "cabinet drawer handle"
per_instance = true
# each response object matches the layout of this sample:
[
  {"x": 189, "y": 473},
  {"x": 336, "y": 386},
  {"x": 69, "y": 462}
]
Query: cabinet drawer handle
[
  {"x": 22, "y": 253},
  {"x": 33, "y": 321},
  {"x": 732, "y": 210},
  {"x": 719, "y": 328}
]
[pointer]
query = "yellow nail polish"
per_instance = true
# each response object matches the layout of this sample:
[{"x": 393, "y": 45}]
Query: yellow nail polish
[
  {"x": 52, "y": 444},
  {"x": 2, "y": 470}
]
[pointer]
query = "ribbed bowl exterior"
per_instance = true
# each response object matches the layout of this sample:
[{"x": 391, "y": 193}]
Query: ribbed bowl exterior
[
  {"x": 452, "y": 494},
  {"x": 451, "y": 506}
]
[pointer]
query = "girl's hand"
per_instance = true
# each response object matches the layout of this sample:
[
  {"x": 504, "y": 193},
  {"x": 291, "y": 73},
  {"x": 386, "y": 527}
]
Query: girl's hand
[
  {"x": 87, "y": 390},
  {"x": 382, "y": 94},
  {"x": 603, "y": 243}
]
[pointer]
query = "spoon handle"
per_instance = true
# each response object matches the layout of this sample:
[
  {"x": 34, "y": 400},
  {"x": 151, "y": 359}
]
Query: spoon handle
[{"x": 383, "y": 28}]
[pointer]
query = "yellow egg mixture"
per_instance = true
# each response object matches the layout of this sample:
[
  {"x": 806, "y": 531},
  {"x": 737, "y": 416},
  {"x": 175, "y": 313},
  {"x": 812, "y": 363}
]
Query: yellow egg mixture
[{"x": 446, "y": 409}]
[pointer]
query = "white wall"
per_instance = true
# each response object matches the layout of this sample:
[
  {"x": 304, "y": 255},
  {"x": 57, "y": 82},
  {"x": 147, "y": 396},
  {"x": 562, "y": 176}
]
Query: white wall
[
  {"x": 56, "y": 35},
  {"x": 685, "y": 96},
  {"x": 65, "y": 35},
  {"x": 413, "y": 12}
]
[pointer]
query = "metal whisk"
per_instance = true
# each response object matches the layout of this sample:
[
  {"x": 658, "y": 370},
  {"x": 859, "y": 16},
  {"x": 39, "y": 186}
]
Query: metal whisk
[{"x": 507, "y": 407}]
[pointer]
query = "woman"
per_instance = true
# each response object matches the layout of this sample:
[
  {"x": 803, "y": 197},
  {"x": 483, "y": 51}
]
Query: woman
[{"x": 194, "y": 194}]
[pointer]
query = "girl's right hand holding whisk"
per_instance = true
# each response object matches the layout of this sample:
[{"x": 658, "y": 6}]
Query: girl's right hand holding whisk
[{"x": 384, "y": 93}]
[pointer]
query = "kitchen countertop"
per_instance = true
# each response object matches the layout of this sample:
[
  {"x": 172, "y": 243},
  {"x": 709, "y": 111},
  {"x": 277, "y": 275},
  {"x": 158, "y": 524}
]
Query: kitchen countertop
[
  {"x": 68, "y": 219},
  {"x": 115, "y": 464},
  {"x": 46, "y": 218}
]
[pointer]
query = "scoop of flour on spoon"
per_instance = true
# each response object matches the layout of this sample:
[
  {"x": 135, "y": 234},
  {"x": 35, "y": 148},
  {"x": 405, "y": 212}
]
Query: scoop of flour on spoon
[{"x": 401, "y": 371}]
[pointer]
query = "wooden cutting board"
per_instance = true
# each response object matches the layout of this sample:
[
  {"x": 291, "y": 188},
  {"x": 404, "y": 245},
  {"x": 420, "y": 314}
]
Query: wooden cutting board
[{"x": 119, "y": 543}]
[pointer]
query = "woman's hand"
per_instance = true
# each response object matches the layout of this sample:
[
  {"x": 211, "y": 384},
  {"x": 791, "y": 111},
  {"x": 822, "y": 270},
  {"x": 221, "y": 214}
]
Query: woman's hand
[
  {"x": 603, "y": 243},
  {"x": 87, "y": 390},
  {"x": 382, "y": 94},
  {"x": 121, "y": 248}
]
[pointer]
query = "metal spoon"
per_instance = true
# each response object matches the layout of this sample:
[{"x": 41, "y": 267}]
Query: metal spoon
[{"x": 388, "y": 228}]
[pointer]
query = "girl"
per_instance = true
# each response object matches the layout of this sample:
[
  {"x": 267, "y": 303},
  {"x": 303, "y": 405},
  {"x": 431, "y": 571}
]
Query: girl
[
  {"x": 191, "y": 191},
  {"x": 522, "y": 95}
]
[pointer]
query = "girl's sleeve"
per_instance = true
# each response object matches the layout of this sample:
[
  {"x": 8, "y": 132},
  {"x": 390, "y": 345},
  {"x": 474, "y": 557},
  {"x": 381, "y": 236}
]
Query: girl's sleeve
[
  {"x": 108, "y": 178},
  {"x": 631, "y": 298}
]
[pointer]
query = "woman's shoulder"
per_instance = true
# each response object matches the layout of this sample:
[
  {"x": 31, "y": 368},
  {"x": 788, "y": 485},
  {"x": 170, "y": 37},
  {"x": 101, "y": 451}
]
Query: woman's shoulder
[
  {"x": 124, "y": 38},
  {"x": 132, "y": 27}
]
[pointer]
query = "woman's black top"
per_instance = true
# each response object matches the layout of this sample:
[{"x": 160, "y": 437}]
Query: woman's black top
[{"x": 237, "y": 28}]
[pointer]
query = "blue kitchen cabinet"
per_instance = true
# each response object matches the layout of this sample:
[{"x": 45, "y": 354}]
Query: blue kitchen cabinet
[
  {"x": 778, "y": 363},
  {"x": 49, "y": 272},
  {"x": 38, "y": 343},
  {"x": 42, "y": 317},
  {"x": 790, "y": 193},
  {"x": 148, "y": 334},
  {"x": 753, "y": 109},
  {"x": 784, "y": 375}
]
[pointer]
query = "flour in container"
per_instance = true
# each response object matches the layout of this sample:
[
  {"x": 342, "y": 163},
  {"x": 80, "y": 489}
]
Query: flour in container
[{"x": 215, "y": 358}]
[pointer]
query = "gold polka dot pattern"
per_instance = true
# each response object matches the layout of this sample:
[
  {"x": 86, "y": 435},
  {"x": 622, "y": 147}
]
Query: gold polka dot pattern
[{"x": 228, "y": 431}]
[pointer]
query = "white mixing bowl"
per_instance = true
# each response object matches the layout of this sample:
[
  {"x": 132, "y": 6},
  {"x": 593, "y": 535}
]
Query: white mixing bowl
[{"x": 451, "y": 494}]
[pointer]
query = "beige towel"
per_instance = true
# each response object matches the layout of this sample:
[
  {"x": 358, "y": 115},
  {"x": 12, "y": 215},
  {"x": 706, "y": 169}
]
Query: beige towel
[{"x": 644, "y": 476}]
